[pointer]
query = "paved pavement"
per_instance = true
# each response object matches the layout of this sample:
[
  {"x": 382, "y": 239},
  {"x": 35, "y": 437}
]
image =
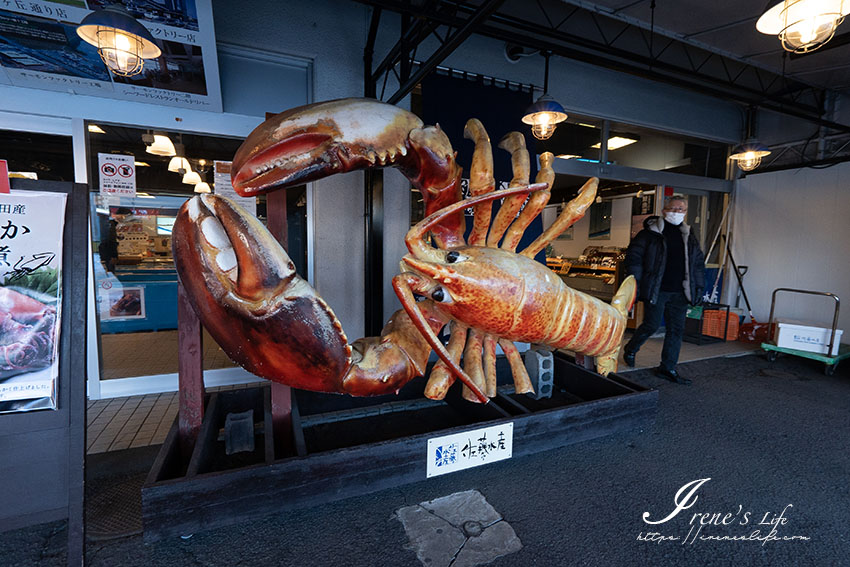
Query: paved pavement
[{"x": 770, "y": 438}]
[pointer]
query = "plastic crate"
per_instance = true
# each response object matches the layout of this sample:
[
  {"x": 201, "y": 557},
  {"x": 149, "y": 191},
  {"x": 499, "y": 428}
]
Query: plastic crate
[{"x": 713, "y": 322}]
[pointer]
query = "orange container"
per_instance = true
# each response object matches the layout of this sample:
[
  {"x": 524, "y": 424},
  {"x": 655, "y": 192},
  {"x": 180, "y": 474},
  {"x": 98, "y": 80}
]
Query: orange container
[{"x": 714, "y": 321}]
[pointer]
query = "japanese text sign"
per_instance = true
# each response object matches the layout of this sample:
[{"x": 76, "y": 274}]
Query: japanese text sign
[
  {"x": 459, "y": 451},
  {"x": 117, "y": 174},
  {"x": 31, "y": 231}
]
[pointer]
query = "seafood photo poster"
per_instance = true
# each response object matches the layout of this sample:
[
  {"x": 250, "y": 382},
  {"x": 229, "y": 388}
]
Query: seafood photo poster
[{"x": 31, "y": 229}]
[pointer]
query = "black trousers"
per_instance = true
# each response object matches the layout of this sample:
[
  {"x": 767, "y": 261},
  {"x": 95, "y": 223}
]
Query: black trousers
[{"x": 672, "y": 306}]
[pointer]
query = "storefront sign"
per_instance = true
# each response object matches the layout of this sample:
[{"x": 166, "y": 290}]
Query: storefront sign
[
  {"x": 468, "y": 449},
  {"x": 117, "y": 175},
  {"x": 31, "y": 230},
  {"x": 39, "y": 48},
  {"x": 224, "y": 187}
]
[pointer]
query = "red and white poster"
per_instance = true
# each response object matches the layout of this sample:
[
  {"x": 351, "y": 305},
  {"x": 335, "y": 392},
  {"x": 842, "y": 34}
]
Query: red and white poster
[{"x": 31, "y": 230}]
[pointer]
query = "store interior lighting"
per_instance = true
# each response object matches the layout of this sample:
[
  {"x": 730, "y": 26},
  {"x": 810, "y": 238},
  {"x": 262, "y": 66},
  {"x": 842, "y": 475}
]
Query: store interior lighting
[
  {"x": 141, "y": 164},
  {"x": 803, "y": 25},
  {"x": 616, "y": 142},
  {"x": 545, "y": 114},
  {"x": 121, "y": 41},
  {"x": 95, "y": 129},
  {"x": 748, "y": 155},
  {"x": 179, "y": 163},
  {"x": 567, "y": 156},
  {"x": 161, "y": 146},
  {"x": 191, "y": 178},
  {"x": 202, "y": 187}
]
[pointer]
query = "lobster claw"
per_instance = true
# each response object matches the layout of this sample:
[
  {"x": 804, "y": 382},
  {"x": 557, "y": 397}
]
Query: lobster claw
[
  {"x": 244, "y": 288},
  {"x": 311, "y": 142}
]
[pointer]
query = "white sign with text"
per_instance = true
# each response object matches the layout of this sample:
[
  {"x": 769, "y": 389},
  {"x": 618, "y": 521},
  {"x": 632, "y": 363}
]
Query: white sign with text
[
  {"x": 117, "y": 174},
  {"x": 468, "y": 449}
]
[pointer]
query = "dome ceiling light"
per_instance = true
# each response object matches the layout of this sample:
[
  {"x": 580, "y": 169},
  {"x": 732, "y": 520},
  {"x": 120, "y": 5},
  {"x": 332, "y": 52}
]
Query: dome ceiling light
[
  {"x": 545, "y": 114},
  {"x": 122, "y": 42},
  {"x": 179, "y": 165},
  {"x": 191, "y": 178},
  {"x": 803, "y": 25},
  {"x": 159, "y": 145}
]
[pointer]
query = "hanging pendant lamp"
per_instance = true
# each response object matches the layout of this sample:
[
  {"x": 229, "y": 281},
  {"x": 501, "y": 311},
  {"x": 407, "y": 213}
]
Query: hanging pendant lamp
[
  {"x": 191, "y": 178},
  {"x": 160, "y": 145},
  {"x": 179, "y": 165},
  {"x": 545, "y": 114},
  {"x": 803, "y": 25},
  {"x": 748, "y": 154},
  {"x": 122, "y": 42}
]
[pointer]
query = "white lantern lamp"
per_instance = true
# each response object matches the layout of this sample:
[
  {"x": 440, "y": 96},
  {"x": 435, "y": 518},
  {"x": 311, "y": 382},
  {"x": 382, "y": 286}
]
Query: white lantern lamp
[
  {"x": 748, "y": 155},
  {"x": 122, "y": 42},
  {"x": 545, "y": 114},
  {"x": 803, "y": 25}
]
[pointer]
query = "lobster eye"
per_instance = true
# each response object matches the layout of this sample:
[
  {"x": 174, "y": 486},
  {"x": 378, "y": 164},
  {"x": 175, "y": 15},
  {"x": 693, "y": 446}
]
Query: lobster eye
[
  {"x": 452, "y": 257},
  {"x": 438, "y": 294}
]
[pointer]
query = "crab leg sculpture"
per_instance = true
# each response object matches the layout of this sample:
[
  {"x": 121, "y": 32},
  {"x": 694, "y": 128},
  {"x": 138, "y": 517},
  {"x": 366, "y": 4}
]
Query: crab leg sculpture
[{"x": 246, "y": 292}]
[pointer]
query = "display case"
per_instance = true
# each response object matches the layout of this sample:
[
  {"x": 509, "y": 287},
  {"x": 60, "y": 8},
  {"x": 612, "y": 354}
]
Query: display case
[{"x": 597, "y": 272}]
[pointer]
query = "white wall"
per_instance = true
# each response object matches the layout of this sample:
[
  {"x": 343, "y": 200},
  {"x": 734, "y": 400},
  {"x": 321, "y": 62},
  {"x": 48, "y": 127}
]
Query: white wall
[
  {"x": 621, "y": 224},
  {"x": 331, "y": 34},
  {"x": 791, "y": 228}
]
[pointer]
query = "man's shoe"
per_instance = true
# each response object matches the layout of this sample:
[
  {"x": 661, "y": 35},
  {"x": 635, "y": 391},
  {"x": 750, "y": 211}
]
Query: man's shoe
[
  {"x": 629, "y": 358},
  {"x": 672, "y": 375}
]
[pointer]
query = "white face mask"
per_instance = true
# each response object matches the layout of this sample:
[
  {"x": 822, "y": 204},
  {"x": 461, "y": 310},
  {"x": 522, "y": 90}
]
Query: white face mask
[{"x": 674, "y": 218}]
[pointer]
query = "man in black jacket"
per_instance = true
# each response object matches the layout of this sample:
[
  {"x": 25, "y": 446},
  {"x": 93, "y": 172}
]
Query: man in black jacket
[{"x": 669, "y": 266}]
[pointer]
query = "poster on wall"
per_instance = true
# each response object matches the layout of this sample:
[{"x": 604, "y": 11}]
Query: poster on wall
[
  {"x": 121, "y": 303},
  {"x": 40, "y": 48},
  {"x": 31, "y": 229}
]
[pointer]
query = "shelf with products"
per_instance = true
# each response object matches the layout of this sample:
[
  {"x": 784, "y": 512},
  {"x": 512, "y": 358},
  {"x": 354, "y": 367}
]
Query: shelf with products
[{"x": 597, "y": 272}]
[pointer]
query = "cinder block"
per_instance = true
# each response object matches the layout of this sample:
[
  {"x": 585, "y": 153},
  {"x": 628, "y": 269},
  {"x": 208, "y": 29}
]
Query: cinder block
[{"x": 539, "y": 365}]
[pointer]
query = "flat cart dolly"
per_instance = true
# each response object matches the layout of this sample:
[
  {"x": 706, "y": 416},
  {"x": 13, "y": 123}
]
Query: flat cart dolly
[{"x": 830, "y": 362}]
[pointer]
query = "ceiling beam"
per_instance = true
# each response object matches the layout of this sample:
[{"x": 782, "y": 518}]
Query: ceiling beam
[
  {"x": 741, "y": 81},
  {"x": 722, "y": 27},
  {"x": 451, "y": 43}
]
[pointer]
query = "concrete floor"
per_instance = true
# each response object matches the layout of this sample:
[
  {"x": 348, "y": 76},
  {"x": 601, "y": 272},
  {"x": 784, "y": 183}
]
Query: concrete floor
[
  {"x": 767, "y": 435},
  {"x": 138, "y": 421}
]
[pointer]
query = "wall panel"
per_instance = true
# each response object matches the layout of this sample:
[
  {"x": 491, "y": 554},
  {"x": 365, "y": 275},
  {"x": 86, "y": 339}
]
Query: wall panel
[{"x": 791, "y": 228}]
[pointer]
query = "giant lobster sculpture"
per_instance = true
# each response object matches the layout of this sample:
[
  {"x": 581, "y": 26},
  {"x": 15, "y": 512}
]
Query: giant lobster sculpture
[{"x": 245, "y": 290}]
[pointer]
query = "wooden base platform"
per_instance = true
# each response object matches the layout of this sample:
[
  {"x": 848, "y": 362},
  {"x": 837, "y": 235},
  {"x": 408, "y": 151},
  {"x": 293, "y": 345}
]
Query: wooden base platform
[{"x": 345, "y": 447}]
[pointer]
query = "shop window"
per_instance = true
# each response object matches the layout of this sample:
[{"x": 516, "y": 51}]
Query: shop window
[
  {"x": 38, "y": 156},
  {"x": 135, "y": 276},
  {"x": 600, "y": 221}
]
